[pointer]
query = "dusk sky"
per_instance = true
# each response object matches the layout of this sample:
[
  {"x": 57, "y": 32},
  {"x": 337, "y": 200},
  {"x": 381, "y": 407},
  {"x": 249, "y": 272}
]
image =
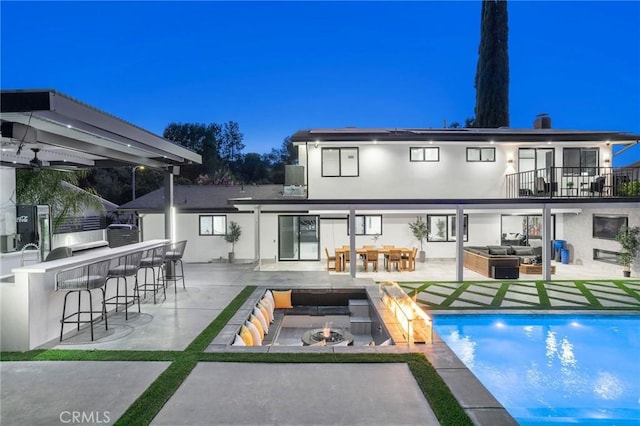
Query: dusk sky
[{"x": 276, "y": 68}]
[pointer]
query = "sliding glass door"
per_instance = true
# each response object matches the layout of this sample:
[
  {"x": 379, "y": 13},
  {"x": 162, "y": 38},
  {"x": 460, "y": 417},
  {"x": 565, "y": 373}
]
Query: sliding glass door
[{"x": 298, "y": 238}]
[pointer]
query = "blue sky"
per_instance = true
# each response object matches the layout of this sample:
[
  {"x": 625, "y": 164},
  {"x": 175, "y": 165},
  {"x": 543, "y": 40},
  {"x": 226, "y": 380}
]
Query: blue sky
[{"x": 276, "y": 68}]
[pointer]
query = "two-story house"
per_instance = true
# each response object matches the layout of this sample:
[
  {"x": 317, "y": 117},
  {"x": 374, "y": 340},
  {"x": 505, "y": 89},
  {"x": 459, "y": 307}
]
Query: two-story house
[{"x": 501, "y": 186}]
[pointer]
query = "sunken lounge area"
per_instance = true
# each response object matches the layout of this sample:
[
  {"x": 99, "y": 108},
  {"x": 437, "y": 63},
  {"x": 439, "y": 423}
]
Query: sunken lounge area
[{"x": 276, "y": 319}]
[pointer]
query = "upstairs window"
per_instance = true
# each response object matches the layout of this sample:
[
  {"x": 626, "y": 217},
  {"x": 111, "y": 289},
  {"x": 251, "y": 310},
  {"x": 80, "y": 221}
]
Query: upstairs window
[
  {"x": 481, "y": 155},
  {"x": 340, "y": 162},
  {"x": 424, "y": 154},
  {"x": 580, "y": 161}
]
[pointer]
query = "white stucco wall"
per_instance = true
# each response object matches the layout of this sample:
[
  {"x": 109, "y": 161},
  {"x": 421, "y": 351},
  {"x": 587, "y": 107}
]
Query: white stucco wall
[
  {"x": 578, "y": 232},
  {"x": 203, "y": 248},
  {"x": 385, "y": 171}
]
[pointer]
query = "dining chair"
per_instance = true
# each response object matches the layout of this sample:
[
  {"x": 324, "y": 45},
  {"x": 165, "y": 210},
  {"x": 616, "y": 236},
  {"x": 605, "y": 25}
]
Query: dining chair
[
  {"x": 371, "y": 256},
  {"x": 394, "y": 256},
  {"x": 329, "y": 260},
  {"x": 409, "y": 260}
]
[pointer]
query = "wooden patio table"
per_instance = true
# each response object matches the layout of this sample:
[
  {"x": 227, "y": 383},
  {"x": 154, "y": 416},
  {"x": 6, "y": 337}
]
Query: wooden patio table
[{"x": 341, "y": 254}]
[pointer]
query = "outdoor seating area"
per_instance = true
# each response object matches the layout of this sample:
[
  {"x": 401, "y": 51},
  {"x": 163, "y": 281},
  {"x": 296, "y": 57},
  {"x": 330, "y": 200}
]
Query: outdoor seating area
[{"x": 394, "y": 258}]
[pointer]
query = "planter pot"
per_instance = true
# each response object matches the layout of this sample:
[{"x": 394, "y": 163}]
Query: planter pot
[
  {"x": 422, "y": 256},
  {"x": 626, "y": 274},
  {"x": 232, "y": 257}
]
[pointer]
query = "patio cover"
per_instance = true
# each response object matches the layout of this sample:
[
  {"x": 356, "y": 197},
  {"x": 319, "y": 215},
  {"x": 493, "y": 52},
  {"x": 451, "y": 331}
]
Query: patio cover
[{"x": 71, "y": 134}]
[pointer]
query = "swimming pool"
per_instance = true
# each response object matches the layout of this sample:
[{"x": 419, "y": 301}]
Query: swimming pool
[{"x": 553, "y": 368}]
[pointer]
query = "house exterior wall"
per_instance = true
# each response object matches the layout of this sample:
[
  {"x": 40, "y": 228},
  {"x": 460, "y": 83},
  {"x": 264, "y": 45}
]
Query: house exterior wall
[
  {"x": 579, "y": 237},
  {"x": 203, "y": 248},
  {"x": 385, "y": 171}
]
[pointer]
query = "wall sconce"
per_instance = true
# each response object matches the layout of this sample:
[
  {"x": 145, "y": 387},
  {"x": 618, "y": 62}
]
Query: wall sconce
[
  {"x": 510, "y": 161},
  {"x": 607, "y": 161}
]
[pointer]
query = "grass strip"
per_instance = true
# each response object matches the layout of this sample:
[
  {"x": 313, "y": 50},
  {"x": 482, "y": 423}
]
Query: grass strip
[
  {"x": 444, "y": 405},
  {"x": 149, "y": 404},
  {"x": 203, "y": 340}
]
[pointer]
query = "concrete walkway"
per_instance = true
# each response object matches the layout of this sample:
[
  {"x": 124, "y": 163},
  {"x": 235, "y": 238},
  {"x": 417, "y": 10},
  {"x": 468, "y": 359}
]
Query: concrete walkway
[{"x": 54, "y": 392}]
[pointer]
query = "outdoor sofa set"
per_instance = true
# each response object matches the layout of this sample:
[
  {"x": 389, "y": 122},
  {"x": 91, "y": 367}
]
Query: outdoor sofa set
[{"x": 500, "y": 261}]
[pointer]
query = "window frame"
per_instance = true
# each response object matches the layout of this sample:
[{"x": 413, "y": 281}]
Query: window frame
[
  {"x": 480, "y": 155},
  {"x": 449, "y": 223},
  {"x": 341, "y": 172},
  {"x": 424, "y": 152},
  {"x": 212, "y": 217},
  {"x": 568, "y": 170},
  {"x": 364, "y": 223}
]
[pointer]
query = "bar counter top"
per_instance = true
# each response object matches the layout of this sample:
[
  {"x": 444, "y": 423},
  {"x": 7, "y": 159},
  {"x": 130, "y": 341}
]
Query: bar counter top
[{"x": 30, "y": 308}]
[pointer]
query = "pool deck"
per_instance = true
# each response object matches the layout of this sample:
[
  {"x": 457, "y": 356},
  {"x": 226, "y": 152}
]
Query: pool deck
[{"x": 49, "y": 392}]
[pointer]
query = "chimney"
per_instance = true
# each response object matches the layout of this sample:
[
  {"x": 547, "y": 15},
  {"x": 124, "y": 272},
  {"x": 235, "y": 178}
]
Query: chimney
[{"x": 542, "y": 121}]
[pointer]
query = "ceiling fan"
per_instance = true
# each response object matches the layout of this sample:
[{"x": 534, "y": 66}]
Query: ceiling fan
[{"x": 35, "y": 163}]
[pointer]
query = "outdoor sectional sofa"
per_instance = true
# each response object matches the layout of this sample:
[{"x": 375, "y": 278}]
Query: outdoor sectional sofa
[{"x": 498, "y": 261}]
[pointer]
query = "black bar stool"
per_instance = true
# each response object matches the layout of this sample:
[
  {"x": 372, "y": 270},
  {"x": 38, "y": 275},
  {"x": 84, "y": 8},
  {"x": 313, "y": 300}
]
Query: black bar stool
[
  {"x": 77, "y": 280},
  {"x": 123, "y": 267},
  {"x": 174, "y": 255},
  {"x": 152, "y": 259}
]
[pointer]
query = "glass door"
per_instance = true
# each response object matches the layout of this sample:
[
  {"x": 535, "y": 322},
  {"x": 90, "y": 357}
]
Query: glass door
[{"x": 298, "y": 238}]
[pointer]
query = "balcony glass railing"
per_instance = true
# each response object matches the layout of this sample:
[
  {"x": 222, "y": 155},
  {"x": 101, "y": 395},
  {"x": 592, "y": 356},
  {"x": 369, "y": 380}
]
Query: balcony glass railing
[{"x": 575, "y": 182}]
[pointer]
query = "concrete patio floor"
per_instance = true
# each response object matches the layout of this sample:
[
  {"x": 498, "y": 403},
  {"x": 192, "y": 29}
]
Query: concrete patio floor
[{"x": 48, "y": 392}]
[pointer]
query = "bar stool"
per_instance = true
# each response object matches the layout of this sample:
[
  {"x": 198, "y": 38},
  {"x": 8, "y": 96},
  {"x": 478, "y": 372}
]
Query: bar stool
[
  {"x": 152, "y": 259},
  {"x": 174, "y": 255},
  {"x": 123, "y": 267},
  {"x": 76, "y": 280}
]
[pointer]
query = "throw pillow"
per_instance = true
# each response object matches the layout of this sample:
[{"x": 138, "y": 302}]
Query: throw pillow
[
  {"x": 269, "y": 305},
  {"x": 523, "y": 251},
  {"x": 269, "y": 295},
  {"x": 245, "y": 334},
  {"x": 263, "y": 321},
  {"x": 256, "y": 322},
  {"x": 268, "y": 316},
  {"x": 255, "y": 334},
  {"x": 238, "y": 341},
  {"x": 282, "y": 299}
]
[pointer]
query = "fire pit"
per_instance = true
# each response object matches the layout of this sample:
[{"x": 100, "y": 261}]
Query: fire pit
[{"x": 332, "y": 336}]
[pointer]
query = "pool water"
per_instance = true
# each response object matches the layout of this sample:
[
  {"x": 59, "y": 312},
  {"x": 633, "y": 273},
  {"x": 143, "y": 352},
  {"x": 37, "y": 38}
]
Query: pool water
[{"x": 553, "y": 368}]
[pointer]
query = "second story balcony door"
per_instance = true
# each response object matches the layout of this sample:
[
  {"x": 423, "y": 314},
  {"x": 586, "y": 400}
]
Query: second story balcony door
[
  {"x": 539, "y": 162},
  {"x": 298, "y": 237}
]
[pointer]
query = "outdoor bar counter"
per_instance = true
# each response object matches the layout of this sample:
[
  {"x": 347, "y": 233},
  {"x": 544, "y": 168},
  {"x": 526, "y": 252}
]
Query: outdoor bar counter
[{"x": 30, "y": 308}]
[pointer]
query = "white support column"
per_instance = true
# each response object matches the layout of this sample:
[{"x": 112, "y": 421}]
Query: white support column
[
  {"x": 352, "y": 242},
  {"x": 168, "y": 203},
  {"x": 546, "y": 242},
  {"x": 256, "y": 235},
  {"x": 459, "y": 243}
]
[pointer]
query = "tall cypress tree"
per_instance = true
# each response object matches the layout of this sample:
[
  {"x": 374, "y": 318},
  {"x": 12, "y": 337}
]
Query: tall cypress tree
[{"x": 492, "y": 73}]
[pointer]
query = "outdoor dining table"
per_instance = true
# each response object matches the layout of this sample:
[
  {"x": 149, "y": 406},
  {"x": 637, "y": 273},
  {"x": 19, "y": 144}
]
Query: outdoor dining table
[{"x": 342, "y": 251}]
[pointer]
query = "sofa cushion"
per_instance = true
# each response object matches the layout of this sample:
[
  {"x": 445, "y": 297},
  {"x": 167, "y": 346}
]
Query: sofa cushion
[
  {"x": 255, "y": 333},
  {"x": 522, "y": 251},
  {"x": 498, "y": 251}
]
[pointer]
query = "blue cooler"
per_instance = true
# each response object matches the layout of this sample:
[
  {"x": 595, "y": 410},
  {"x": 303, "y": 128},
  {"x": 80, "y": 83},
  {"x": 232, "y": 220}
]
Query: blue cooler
[{"x": 558, "y": 245}]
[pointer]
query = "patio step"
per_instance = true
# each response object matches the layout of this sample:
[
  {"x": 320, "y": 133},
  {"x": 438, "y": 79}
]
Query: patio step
[
  {"x": 360, "y": 325},
  {"x": 359, "y": 308}
]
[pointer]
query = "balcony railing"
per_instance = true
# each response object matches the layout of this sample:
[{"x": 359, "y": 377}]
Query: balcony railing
[{"x": 575, "y": 182}]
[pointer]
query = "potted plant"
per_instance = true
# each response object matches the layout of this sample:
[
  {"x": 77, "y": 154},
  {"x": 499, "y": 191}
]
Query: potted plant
[
  {"x": 232, "y": 236},
  {"x": 420, "y": 232},
  {"x": 630, "y": 244}
]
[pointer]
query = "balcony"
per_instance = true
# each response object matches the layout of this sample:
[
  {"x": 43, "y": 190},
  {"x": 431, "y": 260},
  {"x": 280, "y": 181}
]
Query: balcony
[{"x": 575, "y": 182}]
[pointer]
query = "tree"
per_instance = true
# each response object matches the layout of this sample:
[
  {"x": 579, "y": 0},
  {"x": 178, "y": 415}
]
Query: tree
[
  {"x": 252, "y": 168},
  {"x": 201, "y": 138},
  {"x": 230, "y": 143},
  {"x": 278, "y": 158},
  {"x": 492, "y": 73},
  {"x": 58, "y": 190}
]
